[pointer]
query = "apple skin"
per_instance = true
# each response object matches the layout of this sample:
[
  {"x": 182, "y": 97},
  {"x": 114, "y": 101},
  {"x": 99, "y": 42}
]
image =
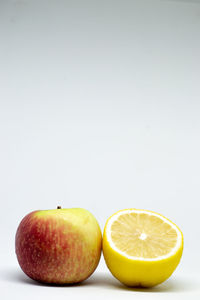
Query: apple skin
[{"x": 60, "y": 246}]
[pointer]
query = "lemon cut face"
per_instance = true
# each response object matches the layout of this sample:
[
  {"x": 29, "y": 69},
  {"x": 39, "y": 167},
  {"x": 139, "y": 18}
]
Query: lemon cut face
[
  {"x": 141, "y": 247},
  {"x": 143, "y": 235}
]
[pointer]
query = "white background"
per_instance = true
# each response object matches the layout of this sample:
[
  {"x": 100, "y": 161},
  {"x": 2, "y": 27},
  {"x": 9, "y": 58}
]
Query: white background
[{"x": 100, "y": 108}]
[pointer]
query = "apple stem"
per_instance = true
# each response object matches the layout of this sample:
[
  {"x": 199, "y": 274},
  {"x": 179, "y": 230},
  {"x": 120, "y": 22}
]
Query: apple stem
[{"x": 58, "y": 207}]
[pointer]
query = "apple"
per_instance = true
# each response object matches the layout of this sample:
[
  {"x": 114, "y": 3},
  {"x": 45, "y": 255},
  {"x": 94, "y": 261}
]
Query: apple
[{"x": 60, "y": 246}]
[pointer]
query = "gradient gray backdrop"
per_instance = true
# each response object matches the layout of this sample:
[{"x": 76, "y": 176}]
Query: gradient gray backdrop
[{"x": 100, "y": 108}]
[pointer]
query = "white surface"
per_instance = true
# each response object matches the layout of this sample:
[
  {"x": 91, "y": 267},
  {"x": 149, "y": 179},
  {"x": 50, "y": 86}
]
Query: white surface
[
  {"x": 15, "y": 285},
  {"x": 99, "y": 108}
]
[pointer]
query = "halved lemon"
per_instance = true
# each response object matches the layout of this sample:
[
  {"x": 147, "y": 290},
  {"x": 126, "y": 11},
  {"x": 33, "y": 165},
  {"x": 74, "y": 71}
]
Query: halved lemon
[{"x": 141, "y": 247}]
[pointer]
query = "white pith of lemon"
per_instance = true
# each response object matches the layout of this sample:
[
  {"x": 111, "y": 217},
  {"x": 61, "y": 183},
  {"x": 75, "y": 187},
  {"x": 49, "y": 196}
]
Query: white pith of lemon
[{"x": 140, "y": 247}]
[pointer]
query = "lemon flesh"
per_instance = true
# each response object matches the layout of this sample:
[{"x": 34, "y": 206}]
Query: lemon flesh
[{"x": 141, "y": 248}]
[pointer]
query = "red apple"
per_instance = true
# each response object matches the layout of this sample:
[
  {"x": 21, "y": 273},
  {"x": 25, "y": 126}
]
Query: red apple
[{"x": 58, "y": 246}]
